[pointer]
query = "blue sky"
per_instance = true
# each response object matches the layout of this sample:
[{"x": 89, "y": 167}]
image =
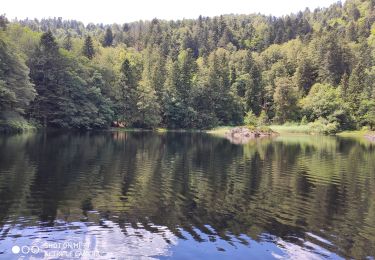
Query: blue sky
[{"x": 120, "y": 11}]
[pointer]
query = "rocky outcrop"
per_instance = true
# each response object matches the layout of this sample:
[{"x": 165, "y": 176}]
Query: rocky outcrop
[
  {"x": 370, "y": 137},
  {"x": 242, "y": 135}
]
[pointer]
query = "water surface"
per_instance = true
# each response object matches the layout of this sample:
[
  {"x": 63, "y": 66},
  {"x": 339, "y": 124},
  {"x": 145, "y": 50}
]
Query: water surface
[{"x": 139, "y": 195}]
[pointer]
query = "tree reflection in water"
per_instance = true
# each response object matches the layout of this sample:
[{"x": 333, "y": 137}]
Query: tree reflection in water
[{"x": 190, "y": 195}]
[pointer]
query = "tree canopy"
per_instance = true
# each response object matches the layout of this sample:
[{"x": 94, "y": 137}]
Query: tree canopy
[{"x": 193, "y": 73}]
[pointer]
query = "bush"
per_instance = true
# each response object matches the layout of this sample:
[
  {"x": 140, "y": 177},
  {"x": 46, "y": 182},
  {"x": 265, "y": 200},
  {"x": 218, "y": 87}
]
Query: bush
[
  {"x": 304, "y": 121},
  {"x": 265, "y": 129},
  {"x": 263, "y": 118},
  {"x": 13, "y": 122},
  {"x": 250, "y": 119},
  {"x": 251, "y": 127},
  {"x": 323, "y": 126}
]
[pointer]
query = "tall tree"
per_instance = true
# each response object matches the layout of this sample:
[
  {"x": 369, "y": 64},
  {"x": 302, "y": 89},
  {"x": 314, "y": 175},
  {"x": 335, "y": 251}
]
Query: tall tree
[
  {"x": 305, "y": 75},
  {"x": 333, "y": 59},
  {"x": 46, "y": 72},
  {"x": 108, "y": 38},
  {"x": 148, "y": 106},
  {"x": 285, "y": 98},
  {"x": 68, "y": 45},
  {"x": 128, "y": 97},
  {"x": 179, "y": 111},
  {"x": 88, "y": 48},
  {"x": 16, "y": 90}
]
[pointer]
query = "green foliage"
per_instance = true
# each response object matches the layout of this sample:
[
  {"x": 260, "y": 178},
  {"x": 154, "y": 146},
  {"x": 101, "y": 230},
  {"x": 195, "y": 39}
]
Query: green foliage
[
  {"x": 305, "y": 75},
  {"x": 323, "y": 126},
  {"x": 88, "y": 48},
  {"x": 198, "y": 73},
  {"x": 14, "y": 122},
  {"x": 64, "y": 98},
  {"x": 148, "y": 107},
  {"x": 16, "y": 90},
  {"x": 128, "y": 95},
  {"x": 251, "y": 119},
  {"x": 179, "y": 108},
  {"x": 108, "y": 38},
  {"x": 323, "y": 100},
  {"x": 263, "y": 119},
  {"x": 68, "y": 45},
  {"x": 285, "y": 98},
  {"x": 367, "y": 112}
]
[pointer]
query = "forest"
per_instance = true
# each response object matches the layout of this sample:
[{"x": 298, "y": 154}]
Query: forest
[{"x": 313, "y": 67}]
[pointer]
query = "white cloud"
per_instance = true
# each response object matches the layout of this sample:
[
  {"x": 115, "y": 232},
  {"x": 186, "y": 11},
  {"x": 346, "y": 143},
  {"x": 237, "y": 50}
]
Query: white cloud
[{"x": 120, "y": 11}]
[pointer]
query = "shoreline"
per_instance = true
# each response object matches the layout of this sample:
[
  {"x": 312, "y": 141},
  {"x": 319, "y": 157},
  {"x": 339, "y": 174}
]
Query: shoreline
[
  {"x": 220, "y": 131},
  {"x": 299, "y": 130}
]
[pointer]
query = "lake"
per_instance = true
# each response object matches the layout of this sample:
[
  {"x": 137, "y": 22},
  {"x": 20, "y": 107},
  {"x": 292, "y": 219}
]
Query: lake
[{"x": 144, "y": 195}]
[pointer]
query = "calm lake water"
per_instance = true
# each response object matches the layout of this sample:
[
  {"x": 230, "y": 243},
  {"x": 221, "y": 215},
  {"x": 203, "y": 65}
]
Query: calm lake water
[{"x": 141, "y": 195}]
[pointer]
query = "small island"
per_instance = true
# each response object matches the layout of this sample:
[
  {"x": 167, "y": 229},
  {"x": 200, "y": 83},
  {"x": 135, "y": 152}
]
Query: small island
[
  {"x": 243, "y": 134},
  {"x": 370, "y": 136}
]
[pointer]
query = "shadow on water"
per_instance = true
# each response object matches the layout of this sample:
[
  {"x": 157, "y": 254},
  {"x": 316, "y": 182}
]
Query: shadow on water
[{"x": 188, "y": 195}]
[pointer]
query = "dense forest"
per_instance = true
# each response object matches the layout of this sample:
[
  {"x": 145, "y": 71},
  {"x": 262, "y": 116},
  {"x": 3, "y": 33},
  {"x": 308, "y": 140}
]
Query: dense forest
[{"x": 314, "y": 67}]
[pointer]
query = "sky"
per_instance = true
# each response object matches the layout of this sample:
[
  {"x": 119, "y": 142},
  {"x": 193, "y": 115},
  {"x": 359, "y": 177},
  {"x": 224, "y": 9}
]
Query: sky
[{"x": 121, "y": 11}]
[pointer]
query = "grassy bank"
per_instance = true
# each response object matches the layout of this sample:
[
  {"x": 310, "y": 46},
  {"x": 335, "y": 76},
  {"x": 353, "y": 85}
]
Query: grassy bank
[
  {"x": 281, "y": 129},
  {"x": 358, "y": 133},
  {"x": 295, "y": 129},
  {"x": 219, "y": 131}
]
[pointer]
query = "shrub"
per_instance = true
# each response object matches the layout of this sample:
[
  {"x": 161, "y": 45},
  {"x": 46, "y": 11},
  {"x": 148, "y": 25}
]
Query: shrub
[
  {"x": 323, "y": 126},
  {"x": 265, "y": 129},
  {"x": 263, "y": 118},
  {"x": 304, "y": 121},
  {"x": 250, "y": 119},
  {"x": 13, "y": 122}
]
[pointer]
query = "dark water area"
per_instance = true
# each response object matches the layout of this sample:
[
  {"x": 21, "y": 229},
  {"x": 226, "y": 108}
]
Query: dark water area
[{"x": 143, "y": 195}]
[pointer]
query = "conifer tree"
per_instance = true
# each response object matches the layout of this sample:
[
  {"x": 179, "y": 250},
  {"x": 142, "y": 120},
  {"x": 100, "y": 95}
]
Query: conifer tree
[
  {"x": 108, "y": 38},
  {"x": 88, "y": 48},
  {"x": 68, "y": 45},
  {"x": 128, "y": 97}
]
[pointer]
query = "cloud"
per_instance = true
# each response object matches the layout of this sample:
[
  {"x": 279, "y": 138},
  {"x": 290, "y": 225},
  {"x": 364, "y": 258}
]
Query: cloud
[{"x": 110, "y": 11}]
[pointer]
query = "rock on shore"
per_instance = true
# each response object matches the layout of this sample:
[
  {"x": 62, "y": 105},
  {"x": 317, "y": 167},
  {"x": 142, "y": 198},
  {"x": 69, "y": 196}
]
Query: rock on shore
[
  {"x": 370, "y": 137},
  {"x": 242, "y": 135}
]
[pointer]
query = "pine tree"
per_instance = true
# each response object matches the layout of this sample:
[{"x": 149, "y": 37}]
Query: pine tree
[
  {"x": 47, "y": 72},
  {"x": 128, "y": 97},
  {"x": 351, "y": 31},
  {"x": 108, "y": 38},
  {"x": 224, "y": 104},
  {"x": 88, "y": 48},
  {"x": 154, "y": 71},
  {"x": 148, "y": 107},
  {"x": 68, "y": 45},
  {"x": 333, "y": 60},
  {"x": 306, "y": 75},
  {"x": 179, "y": 111},
  {"x": 3, "y": 22},
  {"x": 356, "y": 87}
]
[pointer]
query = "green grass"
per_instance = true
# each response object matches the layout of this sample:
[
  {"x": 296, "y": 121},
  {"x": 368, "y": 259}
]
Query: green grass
[
  {"x": 356, "y": 133},
  {"x": 219, "y": 131},
  {"x": 129, "y": 129},
  {"x": 292, "y": 129}
]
